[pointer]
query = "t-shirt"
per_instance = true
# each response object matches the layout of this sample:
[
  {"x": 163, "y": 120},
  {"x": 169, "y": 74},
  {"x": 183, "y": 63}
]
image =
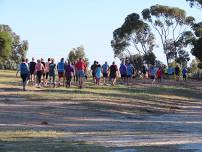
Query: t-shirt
[
  {"x": 123, "y": 69},
  {"x": 24, "y": 69},
  {"x": 113, "y": 69},
  {"x": 159, "y": 72},
  {"x": 32, "y": 66},
  {"x": 39, "y": 67},
  {"x": 129, "y": 69},
  {"x": 80, "y": 65},
  {"x": 69, "y": 70},
  {"x": 52, "y": 68},
  {"x": 61, "y": 67},
  {"x": 184, "y": 71},
  {"x": 177, "y": 70},
  {"x": 105, "y": 68},
  {"x": 170, "y": 70},
  {"x": 98, "y": 72},
  {"x": 93, "y": 68},
  {"x": 153, "y": 71}
]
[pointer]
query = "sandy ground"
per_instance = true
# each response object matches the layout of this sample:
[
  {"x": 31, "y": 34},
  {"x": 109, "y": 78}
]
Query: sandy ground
[
  {"x": 125, "y": 132},
  {"x": 102, "y": 123}
]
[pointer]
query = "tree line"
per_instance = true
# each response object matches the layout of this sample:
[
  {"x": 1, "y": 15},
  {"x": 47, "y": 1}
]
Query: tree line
[
  {"x": 136, "y": 38},
  {"x": 12, "y": 48}
]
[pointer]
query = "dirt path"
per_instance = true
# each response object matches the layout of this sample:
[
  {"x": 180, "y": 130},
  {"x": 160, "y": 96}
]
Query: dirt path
[{"x": 95, "y": 125}]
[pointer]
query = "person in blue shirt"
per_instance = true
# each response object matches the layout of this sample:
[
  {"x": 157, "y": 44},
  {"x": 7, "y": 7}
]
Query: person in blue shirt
[
  {"x": 130, "y": 71},
  {"x": 123, "y": 71},
  {"x": 61, "y": 69},
  {"x": 24, "y": 73},
  {"x": 184, "y": 73},
  {"x": 98, "y": 74},
  {"x": 105, "y": 70}
]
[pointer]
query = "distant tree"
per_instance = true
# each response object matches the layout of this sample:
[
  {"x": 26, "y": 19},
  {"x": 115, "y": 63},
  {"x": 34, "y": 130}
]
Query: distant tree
[
  {"x": 197, "y": 43},
  {"x": 133, "y": 37},
  {"x": 149, "y": 58},
  {"x": 76, "y": 53},
  {"x": 197, "y": 3},
  {"x": 18, "y": 49},
  {"x": 171, "y": 24},
  {"x": 197, "y": 50},
  {"x": 137, "y": 61},
  {"x": 183, "y": 58},
  {"x": 5, "y": 44}
]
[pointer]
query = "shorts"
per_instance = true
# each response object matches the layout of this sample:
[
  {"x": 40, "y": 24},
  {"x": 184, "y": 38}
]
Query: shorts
[
  {"x": 51, "y": 74},
  {"x": 152, "y": 77},
  {"x": 24, "y": 77},
  {"x": 81, "y": 74},
  {"x": 184, "y": 76},
  {"x": 123, "y": 75},
  {"x": 60, "y": 74},
  {"x": 105, "y": 75},
  {"x": 113, "y": 75},
  {"x": 158, "y": 77},
  {"x": 93, "y": 74},
  {"x": 32, "y": 72},
  {"x": 97, "y": 78},
  {"x": 129, "y": 76}
]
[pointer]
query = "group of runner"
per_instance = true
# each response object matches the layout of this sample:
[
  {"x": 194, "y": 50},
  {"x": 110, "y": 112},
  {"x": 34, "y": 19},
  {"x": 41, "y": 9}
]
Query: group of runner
[{"x": 43, "y": 73}]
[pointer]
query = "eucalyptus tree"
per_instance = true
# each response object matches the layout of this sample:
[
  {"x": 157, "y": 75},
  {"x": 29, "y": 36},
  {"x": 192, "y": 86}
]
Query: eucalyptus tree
[
  {"x": 172, "y": 25},
  {"x": 18, "y": 48},
  {"x": 133, "y": 37},
  {"x": 197, "y": 3}
]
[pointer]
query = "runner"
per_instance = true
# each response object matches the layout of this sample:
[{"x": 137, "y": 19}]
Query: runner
[
  {"x": 39, "y": 68},
  {"x": 184, "y": 73},
  {"x": 177, "y": 72},
  {"x": 46, "y": 70},
  {"x": 81, "y": 67},
  {"x": 69, "y": 71},
  {"x": 144, "y": 71},
  {"x": 123, "y": 71},
  {"x": 130, "y": 71},
  {"x": 153, "y": 74},
  {"x": 43, "y": 72},
  {"x": 98, "y": 74},
  {"x": 24, "y": 73},
  {"x": 32, "y": 65},
  {"x": 113, "y": 73},
  {"x": 93, "y": 70},
  {"x": 105, "y": 70},
  {"x": 74, "y": 74},
  {"x": 52, "y": 69},
  {"x": 61, "y": 68},
  {"x": 159, "y": 74}
]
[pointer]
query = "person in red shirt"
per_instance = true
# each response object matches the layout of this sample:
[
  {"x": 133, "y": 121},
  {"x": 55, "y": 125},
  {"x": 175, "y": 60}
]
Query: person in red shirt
[
  {"x": 81, "y": 68},
  {"x": 159, "y": 74}
]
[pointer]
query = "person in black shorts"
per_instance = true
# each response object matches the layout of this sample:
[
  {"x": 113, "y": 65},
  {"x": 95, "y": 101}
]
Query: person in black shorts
[
  {"x": 113, "y": 73},
  {"x": 32, "y": 70},
  {"x": 177, "y": 72},
  {"x": 93, "y": 69}
]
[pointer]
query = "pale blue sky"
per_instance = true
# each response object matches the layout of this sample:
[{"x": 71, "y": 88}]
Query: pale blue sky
[{"x": 53, "y": 27}]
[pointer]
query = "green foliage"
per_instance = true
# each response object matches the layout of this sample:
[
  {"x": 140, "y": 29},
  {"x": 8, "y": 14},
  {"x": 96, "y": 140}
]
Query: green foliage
[
  {"x": 197, "y": 3},
  {"x": 5, "y": 45},
  {"x": 149, "y": 58},
  {"x": 17, "y": 49},
  {"x": 77, "y": 53},
  {"x": 173, "y": 27},
  {"x": 197, "y": 50},
  {"x": 133, "y": 37}
]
